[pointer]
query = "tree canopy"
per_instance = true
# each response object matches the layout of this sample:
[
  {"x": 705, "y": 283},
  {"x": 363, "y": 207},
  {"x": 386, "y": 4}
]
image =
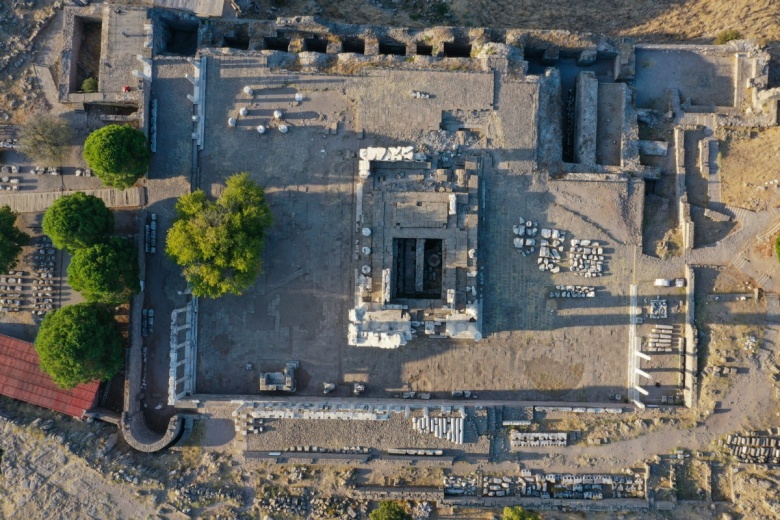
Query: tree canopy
[
  {"x": 78, "y": 220},
  {"x": 45, "y": 138},
  {"x": 389, "y": 510},
  {"x": 106, "y": 273},
  {"x": 11, "y": 239},
  {"x": 518, "y": 513},
  {"x": 80, "y": 343},
  {"x": 219, "y": 244},
  {"x": 118, "y": 154}
]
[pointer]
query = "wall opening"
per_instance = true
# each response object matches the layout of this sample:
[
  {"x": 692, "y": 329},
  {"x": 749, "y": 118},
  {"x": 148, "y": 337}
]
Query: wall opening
[
  {"x": 180, "y": 38},
  {"x": 354, "y": 45},
  {"x": 315, "y": 45},
  {"x": 236, "y": 41},
  {"x": 277, "y": 44},
  {"x": 418, "y": 268},
  {"x": 457, "y": 50},
  {"x": 85, "y": 57},
  {"x": 424, "y": 49},
  {"x": 395, "y": 49}
]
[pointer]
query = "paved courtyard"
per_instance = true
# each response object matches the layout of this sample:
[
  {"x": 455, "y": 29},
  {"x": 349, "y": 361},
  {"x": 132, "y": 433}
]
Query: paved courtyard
[{"x": 535, "y": 347}]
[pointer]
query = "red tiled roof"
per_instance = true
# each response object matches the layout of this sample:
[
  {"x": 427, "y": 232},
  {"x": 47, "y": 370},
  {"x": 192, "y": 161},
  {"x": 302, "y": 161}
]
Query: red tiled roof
[{"x": 22, "y": 379}]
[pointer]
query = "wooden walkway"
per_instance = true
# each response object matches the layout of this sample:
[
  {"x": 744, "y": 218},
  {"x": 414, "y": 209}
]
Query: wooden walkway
[{"x": 36, "y": 202}]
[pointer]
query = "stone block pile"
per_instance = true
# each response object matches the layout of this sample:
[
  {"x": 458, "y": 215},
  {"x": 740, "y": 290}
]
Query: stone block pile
[
  {"x": 525, "y": 233},
  {"x": 573, "y": 291},
  {"x": 147, "y": 322},
  {"x": 150, "y": 235},
  {"x": 580, "y": 486},
  {"x": 755, "y": 448},
  {"x": 551, "y": 250},
  {"x": 18, "y": 292},
  {"x": 350, "y": 450},
  {"x": 449, "y": 428},
  {"x": 663, "y": 338},
  {"x": 454, "y": 485},
  {"x": 497, "y": 486},
  {"x": 9, "y": 144},
  {"x": 537, "y": 439},
  {"x": 587, "y": 258}
]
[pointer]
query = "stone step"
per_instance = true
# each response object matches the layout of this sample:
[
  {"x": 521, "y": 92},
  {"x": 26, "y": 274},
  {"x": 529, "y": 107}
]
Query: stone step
[{"x": 739, "y": 262}]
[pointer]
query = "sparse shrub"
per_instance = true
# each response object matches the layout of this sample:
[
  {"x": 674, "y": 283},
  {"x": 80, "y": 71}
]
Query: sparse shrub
[
  {"x": 726, "y": 36},
  {"x": 45, "y": 138},
  {"x": 89, "y": 85},
  {"x": 518, "y": 513},
  {"x": 777, "y": 247}
]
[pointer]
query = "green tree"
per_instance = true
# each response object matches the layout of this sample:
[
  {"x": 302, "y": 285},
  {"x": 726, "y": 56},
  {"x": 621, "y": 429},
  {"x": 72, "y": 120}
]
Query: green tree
[
  {"x": 89, "y": 85},
  {"x": 80, "y": 343},
  {"x": 389, "y": 510},
  {"x": 106, "y": 273},
  {"x": 219, "y": 244},
  {"x": 78, "y": 220},
  {"x": 518, "y": 513},
  {"x": 45, "y": 138},
  {"x": 118, "y": 154},
  {"x": 11, "y": 239}
]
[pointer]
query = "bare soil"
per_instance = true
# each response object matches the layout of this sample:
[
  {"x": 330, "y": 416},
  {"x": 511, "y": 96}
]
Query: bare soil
[
  {"x": 750, "y": 168},
  {"x": 725, "y": 325}
]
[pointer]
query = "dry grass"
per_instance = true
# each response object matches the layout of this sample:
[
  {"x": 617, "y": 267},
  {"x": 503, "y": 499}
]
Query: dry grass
[
  {"x": 548, "y": 374},
  {"x": 750, "y": 168},
  {"x": 647, "y": 20},
  {"x": 691, "y": 480}
]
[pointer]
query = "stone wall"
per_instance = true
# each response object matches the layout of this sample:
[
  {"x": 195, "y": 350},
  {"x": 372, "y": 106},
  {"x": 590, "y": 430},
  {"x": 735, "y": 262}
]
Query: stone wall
[
  {"x": 681, "y": 196},
  {"x": 72, "y": 31},
  {"x": 690, "y": 366}
]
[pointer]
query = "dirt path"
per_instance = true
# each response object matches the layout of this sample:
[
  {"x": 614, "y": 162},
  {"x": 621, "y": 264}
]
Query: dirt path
[{"x": 748, "y": 400}]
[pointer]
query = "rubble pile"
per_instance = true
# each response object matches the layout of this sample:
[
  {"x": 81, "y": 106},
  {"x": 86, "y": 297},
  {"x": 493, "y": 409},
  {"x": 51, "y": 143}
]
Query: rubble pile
[
  {"x": 206, "y": 495},
  {"x": 460, "y": 485},
  {"x": 297, "y": 506},
  {"x": 573, "y": 291},
  {"x": 524, "y": 241},
  {"x": 422, "y": 510},
  {"x": 659, "y": 309},
  {"x": 587, "y": 258},
  {"x": 337, "y": 508}
]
